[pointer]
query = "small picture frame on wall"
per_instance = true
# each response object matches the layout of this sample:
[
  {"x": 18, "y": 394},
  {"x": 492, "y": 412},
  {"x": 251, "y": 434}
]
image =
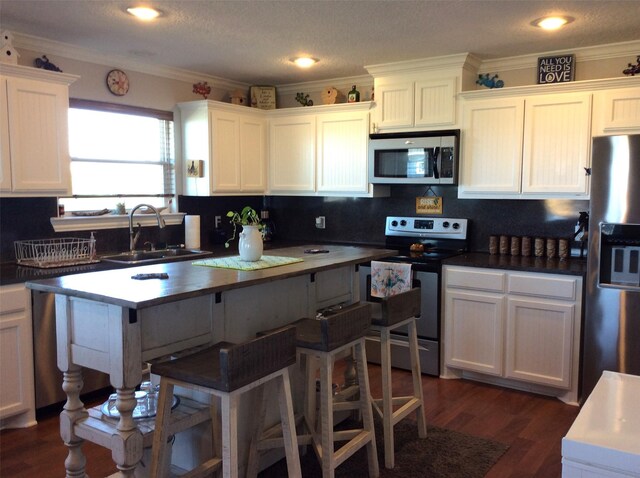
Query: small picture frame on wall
[
  {"x": 263, "y": 97},
  {"x": 195, "y": 168},
  {"x": 556, "y": 69}
]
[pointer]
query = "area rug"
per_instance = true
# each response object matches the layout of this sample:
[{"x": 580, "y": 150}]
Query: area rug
[{"x": 443, "y": 454}]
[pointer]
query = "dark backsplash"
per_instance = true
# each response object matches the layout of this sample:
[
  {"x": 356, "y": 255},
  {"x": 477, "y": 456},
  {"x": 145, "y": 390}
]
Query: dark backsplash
[{"x": 348, "y": 220}]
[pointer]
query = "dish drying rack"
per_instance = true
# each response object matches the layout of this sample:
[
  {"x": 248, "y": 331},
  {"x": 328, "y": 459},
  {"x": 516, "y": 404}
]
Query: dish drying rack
[{"x": 48, "y": 253}]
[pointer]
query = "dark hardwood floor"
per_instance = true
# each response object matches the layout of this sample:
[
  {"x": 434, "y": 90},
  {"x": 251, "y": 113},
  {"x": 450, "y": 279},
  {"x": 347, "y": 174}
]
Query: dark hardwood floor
[{"x": 531, "y": 425}]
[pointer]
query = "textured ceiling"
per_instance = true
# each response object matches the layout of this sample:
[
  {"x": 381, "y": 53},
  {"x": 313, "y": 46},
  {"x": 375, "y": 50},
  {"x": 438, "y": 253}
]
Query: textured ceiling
[{"x": 252, "y": 41}]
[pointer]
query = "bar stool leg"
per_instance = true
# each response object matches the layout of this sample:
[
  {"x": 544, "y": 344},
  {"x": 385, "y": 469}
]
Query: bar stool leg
[
  {"x": 326, "y": 415},
  {"x": 288, "y": 425},
  {"x": 229, "y": 405},
  {"x": 253, "y": 461},
  {"x": 417, "y": 379},
  {"x": 387, "y": 397},
  {"x": 159, "y": 447},
  {"x": 365, "y": 407}
]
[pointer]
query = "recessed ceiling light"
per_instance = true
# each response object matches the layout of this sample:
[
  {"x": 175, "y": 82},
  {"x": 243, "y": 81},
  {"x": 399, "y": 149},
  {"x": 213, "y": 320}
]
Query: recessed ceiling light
[
  {"x": 144, "y": 13},
  {"x": 552, "y": 23},
  {"x": 304, "y": 61}
]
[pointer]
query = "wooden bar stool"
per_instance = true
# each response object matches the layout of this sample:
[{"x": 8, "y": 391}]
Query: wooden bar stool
[
  {"x": 320, "y": 341},
  {"x": 390, "y": 313},
  {"x": 227, "y": 371}
]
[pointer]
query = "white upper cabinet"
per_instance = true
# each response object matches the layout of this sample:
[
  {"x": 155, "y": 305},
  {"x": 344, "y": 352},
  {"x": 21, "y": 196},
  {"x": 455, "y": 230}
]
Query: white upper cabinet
[
  {"x": 492, "y": 146},
  {"x": 231, "y": 142},
  {"x": 34, "y": 138},
  {"x": 617, "y": 111},
  {"x": 320, "y": 150},
  {"x": 292, "y": 155},
  {"x": 531, "y": 147},
  {"x": 420, "y": 95},
  {"x": 557, "y": 143}
]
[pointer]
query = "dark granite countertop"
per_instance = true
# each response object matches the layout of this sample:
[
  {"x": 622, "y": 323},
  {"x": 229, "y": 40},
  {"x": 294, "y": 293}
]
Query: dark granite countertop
[{"x": 571, "y": 266}]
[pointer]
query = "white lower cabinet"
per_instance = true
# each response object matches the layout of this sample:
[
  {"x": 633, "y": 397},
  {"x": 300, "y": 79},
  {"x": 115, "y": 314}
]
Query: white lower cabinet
[
  {"x": 17, "y": 396},
  {"x": 517, "y": 329}
]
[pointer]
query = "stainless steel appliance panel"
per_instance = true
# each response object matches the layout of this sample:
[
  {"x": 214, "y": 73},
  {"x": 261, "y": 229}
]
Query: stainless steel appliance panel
[
  {"x": 612, "y": 317},
  {"x": 48, "y": 378}
]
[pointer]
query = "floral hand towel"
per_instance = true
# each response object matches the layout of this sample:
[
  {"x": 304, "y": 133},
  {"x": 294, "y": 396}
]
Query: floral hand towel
[{"x": 389, "y": 278}]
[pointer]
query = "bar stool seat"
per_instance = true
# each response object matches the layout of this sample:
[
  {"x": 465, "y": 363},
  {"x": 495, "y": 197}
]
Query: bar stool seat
[
  {"x": 227, "y": 371},
  {"x": 321, "y": 341},
  {"x": 388, "y": 314}
]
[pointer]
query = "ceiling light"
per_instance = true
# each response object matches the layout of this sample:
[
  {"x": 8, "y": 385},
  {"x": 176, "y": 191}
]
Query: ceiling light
[
  {"x": 551, "y": 23},
  {"x": 144, "y": 13},
  {"x": 304, "y": 61}
]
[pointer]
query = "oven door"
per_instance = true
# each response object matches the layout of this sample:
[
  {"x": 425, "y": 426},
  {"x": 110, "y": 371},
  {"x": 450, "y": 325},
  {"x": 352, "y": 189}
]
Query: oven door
[{"x": 428, "y": 325}]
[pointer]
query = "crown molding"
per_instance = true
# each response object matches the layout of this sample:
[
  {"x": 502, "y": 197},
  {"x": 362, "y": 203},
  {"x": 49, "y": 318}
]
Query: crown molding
[
  {"x": 33, "y": 73},
  {"x": 37, "y": 44},
  {"x": 436, "y": 63},
  {"x": 591, "y": 53}
]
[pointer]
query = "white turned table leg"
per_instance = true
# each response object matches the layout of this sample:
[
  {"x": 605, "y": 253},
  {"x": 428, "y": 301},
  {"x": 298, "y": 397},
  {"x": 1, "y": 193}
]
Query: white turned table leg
[
  {"x": 126, "y": 445},
  {"x": 73, "y": 411}
]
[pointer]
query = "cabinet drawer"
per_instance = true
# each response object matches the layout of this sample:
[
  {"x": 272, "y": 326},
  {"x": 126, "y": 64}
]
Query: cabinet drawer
[
  {"x": 546, "y": 285},
  {"x": 478, "y": 279},
  {"x": 13, "y": 298}
]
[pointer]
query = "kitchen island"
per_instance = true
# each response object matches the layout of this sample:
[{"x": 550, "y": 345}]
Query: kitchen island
[{"x": 110, "y": 322}]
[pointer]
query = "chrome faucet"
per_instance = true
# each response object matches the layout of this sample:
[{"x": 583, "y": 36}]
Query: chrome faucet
[{"x": 133, "y": 237}]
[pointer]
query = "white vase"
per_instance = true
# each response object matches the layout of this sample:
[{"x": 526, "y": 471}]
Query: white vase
[{"x": 250, "y": 244}]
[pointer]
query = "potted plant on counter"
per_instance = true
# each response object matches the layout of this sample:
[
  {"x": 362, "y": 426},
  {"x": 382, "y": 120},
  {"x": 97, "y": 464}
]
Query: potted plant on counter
[{"x": 250, "y": 244}]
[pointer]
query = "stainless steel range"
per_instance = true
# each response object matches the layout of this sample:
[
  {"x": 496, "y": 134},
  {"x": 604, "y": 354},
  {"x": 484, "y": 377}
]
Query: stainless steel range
[{"x": 439, "y": 238}]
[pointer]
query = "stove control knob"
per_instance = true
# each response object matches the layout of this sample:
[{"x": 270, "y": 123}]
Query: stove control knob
[
  {"x": 403, "y": 223},
  {"x": 456, "y": 226},
  {"x": 445, "y": 224},
  {"x": 394, "y": 223}
]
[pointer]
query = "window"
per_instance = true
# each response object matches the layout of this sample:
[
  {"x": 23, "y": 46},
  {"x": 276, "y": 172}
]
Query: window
[{"x": 119, "y": 154}]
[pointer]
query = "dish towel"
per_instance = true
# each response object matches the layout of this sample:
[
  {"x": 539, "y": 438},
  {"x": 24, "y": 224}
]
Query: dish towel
[{"x": 389, "y": 278}]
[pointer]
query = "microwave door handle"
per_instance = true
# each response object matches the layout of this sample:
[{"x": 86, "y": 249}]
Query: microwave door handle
[{"x": 436, "y": 157}]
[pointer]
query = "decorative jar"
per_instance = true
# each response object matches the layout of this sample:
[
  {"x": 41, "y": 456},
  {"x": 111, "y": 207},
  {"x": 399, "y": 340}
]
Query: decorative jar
[{"x": 250, "y": 245}]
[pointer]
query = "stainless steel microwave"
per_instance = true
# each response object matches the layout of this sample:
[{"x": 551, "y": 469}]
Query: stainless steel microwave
[{"x": 414, "y": 158}]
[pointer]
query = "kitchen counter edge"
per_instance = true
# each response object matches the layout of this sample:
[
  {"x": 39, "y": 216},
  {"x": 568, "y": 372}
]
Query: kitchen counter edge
[{"x": 571, "y": 266}]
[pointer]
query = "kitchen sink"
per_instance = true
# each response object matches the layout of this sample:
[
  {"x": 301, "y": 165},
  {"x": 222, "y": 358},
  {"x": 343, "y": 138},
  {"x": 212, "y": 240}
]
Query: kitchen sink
[{"x": 154, "y": 257}]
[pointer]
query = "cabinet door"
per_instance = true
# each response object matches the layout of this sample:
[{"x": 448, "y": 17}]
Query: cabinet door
[
  {"x": 557, "y": 137},
  {"x": 620, "y": 112},
  {"x": 435, "y": 102},
  {"x": 38, "y": 136},
  {"x": 394, "y": 105},
  {"x": 5, "y": 152},
  {"x": 292, "y": 154},
  {"x": 16, "y": 354},
  {"x": 225, "y": 151},
  {"x": 473, "y": 337},
  {"x": 492, "y": 147},
  {"x": 342, "y": 152},
  {"x": 253, "y": 151},
  {"x": 538, "y": 342}
]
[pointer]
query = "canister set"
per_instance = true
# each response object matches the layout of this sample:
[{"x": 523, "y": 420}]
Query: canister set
[{"x": 549, "y": 247}]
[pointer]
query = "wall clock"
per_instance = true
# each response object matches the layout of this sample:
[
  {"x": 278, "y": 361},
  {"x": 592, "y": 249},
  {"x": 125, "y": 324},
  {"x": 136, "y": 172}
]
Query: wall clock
[{"x": 118, "y": 82}]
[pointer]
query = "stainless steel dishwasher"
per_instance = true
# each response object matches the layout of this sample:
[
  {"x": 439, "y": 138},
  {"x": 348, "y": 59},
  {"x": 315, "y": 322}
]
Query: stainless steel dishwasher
[{"x": 48, "y": 378}]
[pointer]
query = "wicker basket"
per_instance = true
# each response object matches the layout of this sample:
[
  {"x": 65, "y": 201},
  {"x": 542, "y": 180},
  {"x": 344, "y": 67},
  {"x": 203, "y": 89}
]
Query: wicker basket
[{"x": 48, "y": 253}]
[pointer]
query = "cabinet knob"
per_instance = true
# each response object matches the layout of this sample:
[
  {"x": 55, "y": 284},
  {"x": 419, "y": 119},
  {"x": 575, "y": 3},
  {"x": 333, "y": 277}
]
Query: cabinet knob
[{"x": 587, "y": 171}]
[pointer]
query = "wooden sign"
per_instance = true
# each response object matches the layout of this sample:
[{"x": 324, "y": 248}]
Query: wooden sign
[
  {"x": 195, "y": 168},
  {"x": 556, "y": 69},
  {"x": 263, "y": 97},
  {"x": 429, "y": 205}
]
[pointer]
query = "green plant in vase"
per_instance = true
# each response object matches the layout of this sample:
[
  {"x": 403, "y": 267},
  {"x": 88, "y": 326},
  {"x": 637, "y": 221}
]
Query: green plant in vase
[{"x": 247, "y": 217}]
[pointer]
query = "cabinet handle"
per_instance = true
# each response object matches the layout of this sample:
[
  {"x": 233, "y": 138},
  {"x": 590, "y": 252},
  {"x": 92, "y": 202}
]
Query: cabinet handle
[
  {"x": 408, "y": 142},
  {"x": 587, "y": 171}
]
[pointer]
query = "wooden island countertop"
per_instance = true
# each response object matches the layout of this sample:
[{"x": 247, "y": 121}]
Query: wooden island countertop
[{"x": 187, "y": 280}]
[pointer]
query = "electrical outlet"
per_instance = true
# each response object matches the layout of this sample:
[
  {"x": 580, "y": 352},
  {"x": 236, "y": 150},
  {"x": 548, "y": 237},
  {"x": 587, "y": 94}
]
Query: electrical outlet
[{"x": 320, "y": 224}]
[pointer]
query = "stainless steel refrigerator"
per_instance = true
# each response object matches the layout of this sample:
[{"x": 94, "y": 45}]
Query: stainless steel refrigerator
[{"x": 612, "y": 314}]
